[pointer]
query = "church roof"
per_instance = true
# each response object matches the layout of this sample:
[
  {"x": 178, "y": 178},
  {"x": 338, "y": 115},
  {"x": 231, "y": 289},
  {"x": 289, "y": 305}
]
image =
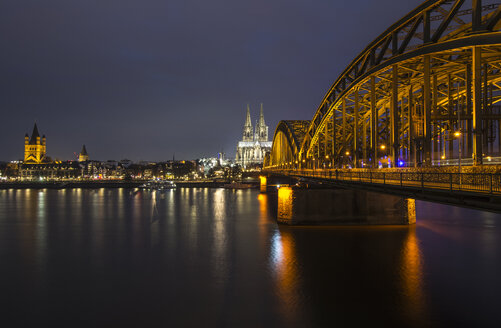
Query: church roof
[
  {"x": 84, "y": 151},
  {"x": 34, "y": 135}
]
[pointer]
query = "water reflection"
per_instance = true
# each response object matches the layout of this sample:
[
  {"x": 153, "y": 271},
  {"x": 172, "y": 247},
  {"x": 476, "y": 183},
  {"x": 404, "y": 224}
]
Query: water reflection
[
  {"x": 219, "y": 235},
  {"x": 412, "y": 277},
  {"x": 285, "y": 267},
  {"x": 264, "y": 222},
  {"x": 216, "y": 257},
  {"x": 329, "y": 274}
]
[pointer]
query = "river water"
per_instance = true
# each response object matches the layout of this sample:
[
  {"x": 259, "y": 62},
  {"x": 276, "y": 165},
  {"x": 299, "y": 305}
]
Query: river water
[{"x": 216, "y": 258}]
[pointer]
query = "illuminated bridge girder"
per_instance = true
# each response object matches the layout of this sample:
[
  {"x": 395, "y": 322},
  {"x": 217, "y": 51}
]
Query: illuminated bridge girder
[
  {"x": 435, "y": 72},
  {"x": 286, "y": 142}
]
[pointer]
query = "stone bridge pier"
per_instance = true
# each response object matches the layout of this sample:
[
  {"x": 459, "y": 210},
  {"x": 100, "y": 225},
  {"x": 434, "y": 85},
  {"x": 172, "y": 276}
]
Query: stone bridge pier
[
  {"x": 271, "y": 183},
  {"x": 305, "y": 206}
]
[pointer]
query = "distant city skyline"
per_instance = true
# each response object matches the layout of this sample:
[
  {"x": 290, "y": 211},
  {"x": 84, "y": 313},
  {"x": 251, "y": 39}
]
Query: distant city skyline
[{"x": 144, "y": 80}]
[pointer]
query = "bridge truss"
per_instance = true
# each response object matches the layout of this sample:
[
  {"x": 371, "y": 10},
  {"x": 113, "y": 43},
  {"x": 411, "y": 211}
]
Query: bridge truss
[{"x": 425, "y": 92}]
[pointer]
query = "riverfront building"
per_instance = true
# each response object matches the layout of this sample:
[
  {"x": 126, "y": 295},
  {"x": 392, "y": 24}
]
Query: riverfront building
[
  {"x": 254, "y": 145},
  {"x": 34, "y": 147}
]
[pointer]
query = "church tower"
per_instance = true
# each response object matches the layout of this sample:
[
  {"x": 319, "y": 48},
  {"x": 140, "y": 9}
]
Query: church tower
[
  {"x": 34, "y": 147},
  {"x": 261, "y": 133},
  {"x": 83, "y": 156},
  {"x": 247, "y": 135}
]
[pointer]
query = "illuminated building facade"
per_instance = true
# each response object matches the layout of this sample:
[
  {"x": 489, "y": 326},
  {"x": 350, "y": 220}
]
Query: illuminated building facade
[
  {"x": 49, "y": 171},
  {"x": 34, "y": 147},
  {"x": 254, "y": 145}
]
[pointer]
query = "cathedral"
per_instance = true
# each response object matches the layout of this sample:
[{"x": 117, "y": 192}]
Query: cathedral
[
  {"x": 254, "y": 145},
  {"x": 34, "y": 147}
]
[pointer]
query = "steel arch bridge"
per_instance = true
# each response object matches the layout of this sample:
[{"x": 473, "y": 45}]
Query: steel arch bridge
[{"x": 425, "y": 92}]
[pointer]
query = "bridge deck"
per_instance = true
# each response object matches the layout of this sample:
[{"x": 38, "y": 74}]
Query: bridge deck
[{"x": 477, "y": 190}]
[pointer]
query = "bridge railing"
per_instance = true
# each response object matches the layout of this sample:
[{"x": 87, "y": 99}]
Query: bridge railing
[{"x": 473, "y": 182}]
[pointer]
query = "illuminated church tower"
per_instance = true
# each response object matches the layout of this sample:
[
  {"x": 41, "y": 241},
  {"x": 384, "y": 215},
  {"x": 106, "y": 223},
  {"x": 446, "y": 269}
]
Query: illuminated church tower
[
  {"x": 83, "y": 156},
  {"x": 247, "y": 135},
  {"x": 261, "y": 132},
  {"x": 34, "y": 147}
]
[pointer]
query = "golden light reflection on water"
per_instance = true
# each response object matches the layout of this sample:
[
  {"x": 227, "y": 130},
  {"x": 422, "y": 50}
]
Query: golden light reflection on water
[
  {"x": 284, "y": 212},
  {"x": 412, "y": 276},
  {"x": 263, "y": 208},
  {"x": 219, "y": 233},
  {"x": 137, "y": 205},
  {"x": 284, "y": 264},
  {"x": 263, "y": 221},
  {"x": 219, "y": 204},
  {"x": 34, "y": 233},
  {"x": 153, "y": 208}
]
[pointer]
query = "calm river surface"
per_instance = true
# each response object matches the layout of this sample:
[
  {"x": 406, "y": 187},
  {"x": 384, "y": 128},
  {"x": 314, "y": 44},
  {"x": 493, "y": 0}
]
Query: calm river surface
[{"x": 216, "y": 258}]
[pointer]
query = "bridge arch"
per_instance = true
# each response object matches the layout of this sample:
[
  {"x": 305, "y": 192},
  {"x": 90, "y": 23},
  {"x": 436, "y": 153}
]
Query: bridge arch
[
  {"x": 286, "y": 142},
  {"x": 403, "y": 100}
]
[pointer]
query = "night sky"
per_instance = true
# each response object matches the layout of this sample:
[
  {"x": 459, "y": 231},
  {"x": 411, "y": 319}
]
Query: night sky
[{"x": 144, "y": 79}]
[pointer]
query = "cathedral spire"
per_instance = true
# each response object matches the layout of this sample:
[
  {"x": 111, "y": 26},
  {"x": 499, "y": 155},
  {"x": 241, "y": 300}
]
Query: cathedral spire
[
  {"x": 247, "y": 135},
  {"x": 261, "y": 133},
  {"x": 261, "y": 116},
  {"x": 248, "y": 121}
]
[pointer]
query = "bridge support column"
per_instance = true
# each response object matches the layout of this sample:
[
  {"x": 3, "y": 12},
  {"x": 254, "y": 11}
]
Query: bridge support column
[
  {"x": 394, "y": 118},
  {"x": 333, "y": 139},
  {"x": 326, "y": 146},
  {"x": 263, "y": 183},
  {"x": 477, "y": 104},
  {"x": 411, "y": 153},
  {"x": 355, "y": 130},
  {"x": 342, "y": 207},
  {"x": 469, "y": 110},
  {"x": 344, "y": 135},
  {"x": 427, "y": 111},
  {"x": 450, "y": 109},
  {"x": 374, "y": 119}
]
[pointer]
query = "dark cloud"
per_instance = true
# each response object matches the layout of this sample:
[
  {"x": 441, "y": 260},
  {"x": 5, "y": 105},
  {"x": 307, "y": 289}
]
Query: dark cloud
[{"x": 144, "y": 79}]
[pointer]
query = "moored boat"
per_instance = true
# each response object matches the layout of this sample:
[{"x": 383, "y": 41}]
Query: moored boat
[
  {"x": 158, "y": 185},
  {"x": 238, "y": 185}
]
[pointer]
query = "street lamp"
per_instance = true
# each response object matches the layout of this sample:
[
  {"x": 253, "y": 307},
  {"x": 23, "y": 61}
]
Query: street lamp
[
  {"x": 457, "y": 134},
  {"x": 383, "y": 148}
]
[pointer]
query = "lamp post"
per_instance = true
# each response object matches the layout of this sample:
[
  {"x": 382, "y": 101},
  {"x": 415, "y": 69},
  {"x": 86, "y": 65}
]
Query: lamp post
[
  {"x": 458, "y": 134},
  {"x": 383, "y": 152}
]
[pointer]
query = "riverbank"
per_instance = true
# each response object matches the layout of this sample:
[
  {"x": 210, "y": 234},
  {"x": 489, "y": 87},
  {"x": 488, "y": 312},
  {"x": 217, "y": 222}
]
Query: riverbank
[{"x": 105, "y": 184}]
